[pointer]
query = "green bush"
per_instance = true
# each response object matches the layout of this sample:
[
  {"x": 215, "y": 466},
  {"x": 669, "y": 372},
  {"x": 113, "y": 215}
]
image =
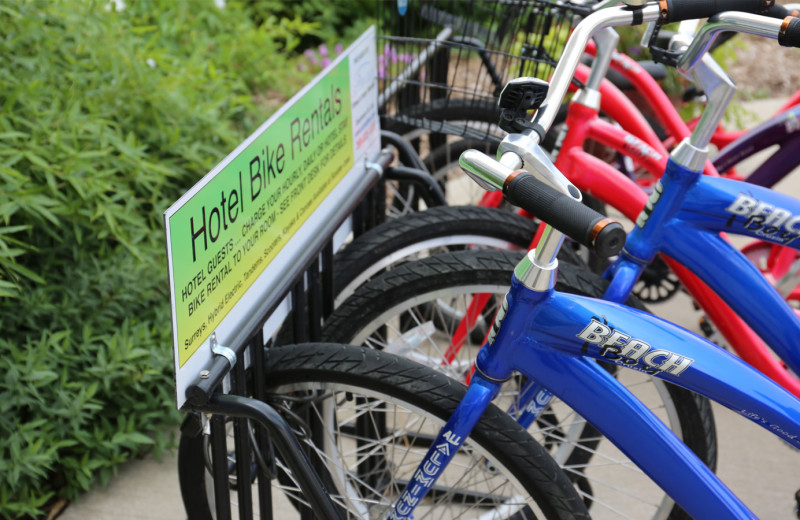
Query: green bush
[
  {"x": 297, "y": 26},
  {"x": 107, "y": 117}
]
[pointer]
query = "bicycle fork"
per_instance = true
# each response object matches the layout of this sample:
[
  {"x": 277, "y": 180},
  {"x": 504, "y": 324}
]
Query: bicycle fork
[
  {"x": 449, "y": 440},
  {"x": 537, "y": 270}
]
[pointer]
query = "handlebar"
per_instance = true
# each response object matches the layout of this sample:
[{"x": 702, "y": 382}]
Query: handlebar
[
  {"x": 663, "y": 11},
  {"x": 564, "y": 212},
  {"x": 570, "y": 57},
  {"x": 776, "y": 11},
  {"x": 786, "y": 31},
  {"x": 680, "y": 10},
  {"x": 576, "y": 220}
]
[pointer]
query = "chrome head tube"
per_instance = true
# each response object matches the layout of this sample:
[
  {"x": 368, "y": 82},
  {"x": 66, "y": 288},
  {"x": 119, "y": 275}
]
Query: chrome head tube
[
  {"x": 522, "y": 150},
  {"x": 719, "y": 89}
]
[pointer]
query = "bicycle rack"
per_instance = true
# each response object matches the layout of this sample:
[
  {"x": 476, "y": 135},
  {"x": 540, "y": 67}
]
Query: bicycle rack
[
  {"x": 311, "y": 290},
  {"x": 233, "y": 384}
]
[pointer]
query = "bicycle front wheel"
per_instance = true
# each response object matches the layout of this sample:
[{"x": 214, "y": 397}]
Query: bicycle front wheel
[
  {"x": 378, "y": 415},
  {"x": 426, "y": 310}
]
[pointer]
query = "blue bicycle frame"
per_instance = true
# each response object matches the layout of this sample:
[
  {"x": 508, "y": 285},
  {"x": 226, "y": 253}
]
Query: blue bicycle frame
[
  {"x": 684, "y": 217},
  {"x": 552, "y": 338}
]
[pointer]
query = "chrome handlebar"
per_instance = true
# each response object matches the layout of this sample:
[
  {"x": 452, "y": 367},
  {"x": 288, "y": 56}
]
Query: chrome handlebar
[{"x": 729, "y": 21}]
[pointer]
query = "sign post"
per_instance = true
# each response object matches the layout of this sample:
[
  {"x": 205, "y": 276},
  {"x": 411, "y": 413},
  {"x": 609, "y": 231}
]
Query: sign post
[{"x": 234, "y": 237}]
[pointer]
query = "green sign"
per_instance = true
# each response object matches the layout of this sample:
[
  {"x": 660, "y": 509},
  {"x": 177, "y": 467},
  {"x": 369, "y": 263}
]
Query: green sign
[{"x": 223, "y": 237}]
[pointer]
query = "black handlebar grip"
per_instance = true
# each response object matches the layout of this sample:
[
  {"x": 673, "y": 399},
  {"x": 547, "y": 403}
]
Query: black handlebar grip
[
  {"x": 779, "y": 11},
  {"x": 579, "y": 222},
  {"x": 679, "y": 10},
  {"x": 790, "y": 32}
]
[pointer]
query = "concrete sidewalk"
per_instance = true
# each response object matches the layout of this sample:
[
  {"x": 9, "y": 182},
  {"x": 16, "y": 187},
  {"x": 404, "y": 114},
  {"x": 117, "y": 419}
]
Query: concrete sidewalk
[
  {"x": 760, "y": 468},
  {"x": 143, "y": 489}
]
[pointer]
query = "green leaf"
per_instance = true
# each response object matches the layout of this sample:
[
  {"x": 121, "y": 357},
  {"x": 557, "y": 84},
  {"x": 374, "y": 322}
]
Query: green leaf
[{"x": 38, "y": 161}]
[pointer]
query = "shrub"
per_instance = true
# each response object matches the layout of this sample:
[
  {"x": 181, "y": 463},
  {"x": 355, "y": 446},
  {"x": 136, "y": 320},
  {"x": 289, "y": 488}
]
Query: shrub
[
  {"x": 297, "y": 26},
  {"x": 108, "y": 115}
]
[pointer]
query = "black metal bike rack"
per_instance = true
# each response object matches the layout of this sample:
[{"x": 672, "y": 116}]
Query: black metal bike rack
[{"x": 312, "y": 295}]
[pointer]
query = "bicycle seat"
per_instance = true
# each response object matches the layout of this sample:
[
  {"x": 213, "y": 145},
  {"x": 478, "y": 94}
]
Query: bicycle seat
[{"x": 657, "y": 70}]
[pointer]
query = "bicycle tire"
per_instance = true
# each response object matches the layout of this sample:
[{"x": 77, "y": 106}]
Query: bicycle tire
[
  {"x": 427, "y": 232},
  {"x": 390, "y": 312},
  {"x": 424, "y": 233},
  {"x": 437, "y": 127},
  {"x": 424, "y": 118},
  {"x": 364, "y": 378}
]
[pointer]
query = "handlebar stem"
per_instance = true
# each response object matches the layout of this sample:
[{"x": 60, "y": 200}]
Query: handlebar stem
[
  {"x": 532, "y": 273},
  {"x": 606, "y": 40},
  {"x": 565, "y": 70},
  {"x": 548, "y": 246},
  {"x": 720, "y": 89}
]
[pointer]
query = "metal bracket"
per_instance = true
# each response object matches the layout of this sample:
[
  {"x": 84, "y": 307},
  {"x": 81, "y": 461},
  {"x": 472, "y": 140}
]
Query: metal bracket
[
  {"x": 534, "y": 159},
  {"x": 221, "y": 350},
  {"x": 378, "y": 167}
]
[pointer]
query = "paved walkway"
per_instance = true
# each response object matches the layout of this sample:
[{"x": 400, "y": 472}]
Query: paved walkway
[
  {"x": 143, "y": 489},
  {"x": 761, "y": 469}
]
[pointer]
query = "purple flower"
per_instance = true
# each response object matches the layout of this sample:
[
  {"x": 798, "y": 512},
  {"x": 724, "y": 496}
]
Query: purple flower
[
  {"x": 338, "y": 49},
  {"x": 312, "y": 56},
  {"x": 325, "y": 62},
  {"x": 323, "y": 50}
]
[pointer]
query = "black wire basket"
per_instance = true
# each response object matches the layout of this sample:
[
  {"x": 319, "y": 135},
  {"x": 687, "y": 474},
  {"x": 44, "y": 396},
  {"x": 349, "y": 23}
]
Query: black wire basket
[{"x": 443, "y": 63}]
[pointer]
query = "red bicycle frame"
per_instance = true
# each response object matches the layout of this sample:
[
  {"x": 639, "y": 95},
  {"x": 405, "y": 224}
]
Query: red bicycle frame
[
  {"x": 636, "y": 140},
  {"x": 603, "y": 181}
]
